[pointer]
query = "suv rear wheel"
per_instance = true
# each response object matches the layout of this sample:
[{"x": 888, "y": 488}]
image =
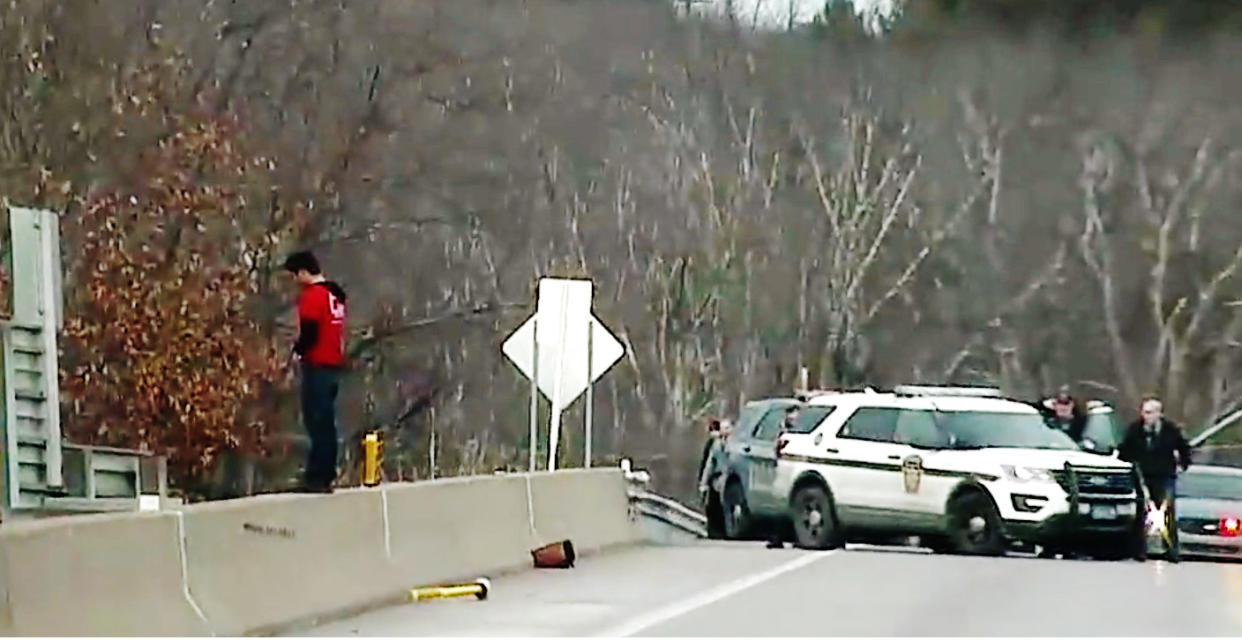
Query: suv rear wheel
[
  {"x": 975, "y": 526},
  {"x": 814, "y": 519}
]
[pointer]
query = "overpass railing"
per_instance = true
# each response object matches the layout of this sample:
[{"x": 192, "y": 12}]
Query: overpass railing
[{"x": 658, "y": 510}]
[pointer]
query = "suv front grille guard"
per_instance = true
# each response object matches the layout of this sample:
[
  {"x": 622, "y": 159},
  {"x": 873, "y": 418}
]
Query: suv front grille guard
[{"x": 1097, "y": 485}]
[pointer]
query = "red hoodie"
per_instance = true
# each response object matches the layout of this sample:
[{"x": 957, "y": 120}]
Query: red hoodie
[{"x": 321, "y": 314}]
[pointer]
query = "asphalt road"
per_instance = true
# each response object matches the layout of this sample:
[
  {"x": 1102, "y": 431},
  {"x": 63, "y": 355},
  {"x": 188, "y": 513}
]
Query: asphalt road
[{"x": 741, "y": 589}]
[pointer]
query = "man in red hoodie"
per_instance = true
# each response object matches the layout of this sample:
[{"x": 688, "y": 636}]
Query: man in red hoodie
[{"x": 321, "y": 347}]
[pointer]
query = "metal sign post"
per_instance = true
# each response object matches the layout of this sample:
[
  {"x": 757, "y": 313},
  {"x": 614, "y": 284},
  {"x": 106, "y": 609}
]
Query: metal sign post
[
  {"x": 534, "y": 394},
  {"x": 586, "y": 463}
]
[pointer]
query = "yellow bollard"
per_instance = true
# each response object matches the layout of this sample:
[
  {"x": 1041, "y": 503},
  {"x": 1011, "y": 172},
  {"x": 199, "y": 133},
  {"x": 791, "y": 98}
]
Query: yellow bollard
[
  {"x": 478, "y": 589},
  {"x": 372, "y": 454}
]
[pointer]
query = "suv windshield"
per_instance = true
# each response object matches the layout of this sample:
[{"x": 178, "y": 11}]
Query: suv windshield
[{"x": 980, "y": 429}]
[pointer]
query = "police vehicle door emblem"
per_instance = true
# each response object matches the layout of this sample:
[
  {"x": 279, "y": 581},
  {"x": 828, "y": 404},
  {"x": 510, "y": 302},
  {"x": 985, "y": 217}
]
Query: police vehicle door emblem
[{"x": 912, "y": 473}]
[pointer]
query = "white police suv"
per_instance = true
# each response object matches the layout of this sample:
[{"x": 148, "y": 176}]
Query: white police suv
[{"x": 964, "y": 469}]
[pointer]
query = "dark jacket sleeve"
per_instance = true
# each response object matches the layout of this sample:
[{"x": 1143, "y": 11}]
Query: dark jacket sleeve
[
  {"x": 707, "y": 454},
  {"x": 306, "y": 337},
  {"x": 1078, "y": 426},
  {"x": 1183, "y": 447},
  {"x": 1128, "y": 450}
]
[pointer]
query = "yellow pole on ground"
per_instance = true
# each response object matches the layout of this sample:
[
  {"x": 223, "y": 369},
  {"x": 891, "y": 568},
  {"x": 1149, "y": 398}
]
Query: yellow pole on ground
[{"x": 478, "y": 589}]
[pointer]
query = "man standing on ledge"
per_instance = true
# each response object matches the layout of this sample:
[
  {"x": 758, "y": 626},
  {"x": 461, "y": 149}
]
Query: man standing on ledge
[{"x": 321, "y": 346}]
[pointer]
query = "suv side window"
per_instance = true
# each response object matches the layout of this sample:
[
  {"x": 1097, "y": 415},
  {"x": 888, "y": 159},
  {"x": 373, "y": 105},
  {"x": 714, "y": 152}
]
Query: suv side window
[
  {"x": 746, "y": 422},
  {"x": 770, "y": 426},
  {"x": 876, "y": 424},
  {"x": 918, "y": 428},
  {"x": 810, "y": 417}
]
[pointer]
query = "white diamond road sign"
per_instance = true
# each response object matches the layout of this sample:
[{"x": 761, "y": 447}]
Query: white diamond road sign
[
  {"x": 562, "y": 349},
  {"x": 606, "y": 350}
]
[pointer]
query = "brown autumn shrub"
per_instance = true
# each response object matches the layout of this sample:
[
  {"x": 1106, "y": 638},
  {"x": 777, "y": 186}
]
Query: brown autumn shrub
[{"x": 162, "y": 350}]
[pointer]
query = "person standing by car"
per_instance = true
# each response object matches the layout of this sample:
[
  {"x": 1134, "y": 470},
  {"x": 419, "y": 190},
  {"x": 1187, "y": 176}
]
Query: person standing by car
[
  {"x": 711, "y": 465},
  {"x": 775, "y": 540},
  {"x": 321, "y": 348},
  {"x": 713, "y": 435},
  {"x": 1065, "y": 414},
  {"x": 791, "y": 418},
  {"x": 1157, "y": 447}
]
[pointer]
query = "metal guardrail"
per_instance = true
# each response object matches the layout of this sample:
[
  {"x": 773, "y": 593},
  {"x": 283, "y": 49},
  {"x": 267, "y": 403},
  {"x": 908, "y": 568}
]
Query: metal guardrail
[
  {"x": 670, "y": 513},
  {"x": 666, "y": 511},
  {"x": 1224, "y": 423}
]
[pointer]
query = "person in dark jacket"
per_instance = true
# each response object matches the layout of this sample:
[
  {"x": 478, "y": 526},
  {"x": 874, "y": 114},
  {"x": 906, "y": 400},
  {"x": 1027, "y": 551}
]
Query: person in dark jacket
[
  {"x": 791, "y": 419},
  {"x": 1156, "y": 446},
  {"x": 713, "y": 437},
  {"x": 710, "y": 467}
]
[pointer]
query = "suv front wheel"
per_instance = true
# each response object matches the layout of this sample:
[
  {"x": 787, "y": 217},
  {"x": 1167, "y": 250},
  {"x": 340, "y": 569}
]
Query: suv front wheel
[
  {"x": 814, "y": 520},
  {"x": 975, "y": 526}
]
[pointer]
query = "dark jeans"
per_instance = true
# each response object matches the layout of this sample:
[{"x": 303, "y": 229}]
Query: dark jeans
[
  {"x": 1159, "y": 489},
  {"x": 319, "y": 388}
]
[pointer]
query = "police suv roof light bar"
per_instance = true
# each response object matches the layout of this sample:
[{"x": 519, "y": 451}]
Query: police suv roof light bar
[{"x": 965, "y": 392}]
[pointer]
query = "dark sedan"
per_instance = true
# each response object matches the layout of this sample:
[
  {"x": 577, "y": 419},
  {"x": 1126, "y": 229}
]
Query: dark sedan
[{"x": 1209, "y": 511}]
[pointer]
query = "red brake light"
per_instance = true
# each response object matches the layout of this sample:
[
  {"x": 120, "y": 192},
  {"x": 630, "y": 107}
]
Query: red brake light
[{"x": 1230, "y": 527}]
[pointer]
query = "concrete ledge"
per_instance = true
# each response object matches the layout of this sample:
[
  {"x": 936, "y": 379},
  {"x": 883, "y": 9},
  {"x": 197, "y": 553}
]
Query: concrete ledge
[
  {"x": 260, "y": 564},
  {"x": 459, "y": 528},
  {"x": 6, "y": 611},
  {"x": 110, "y": 575},
  {"x": 588, "y": 506},
  {"x": 263, "y": 561}
]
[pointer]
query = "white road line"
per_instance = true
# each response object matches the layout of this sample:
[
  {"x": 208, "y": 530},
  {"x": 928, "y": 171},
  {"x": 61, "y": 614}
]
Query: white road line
[{"x": 677, "y": 609}]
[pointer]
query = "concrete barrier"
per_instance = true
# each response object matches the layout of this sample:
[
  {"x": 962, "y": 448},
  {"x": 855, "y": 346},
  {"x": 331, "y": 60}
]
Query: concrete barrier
[
  {"x": 260, "y": 562},
  {"x": 588, "y": 506},
  {"x": 109, "y": 575},
  {"x": 459, "y": 528}
]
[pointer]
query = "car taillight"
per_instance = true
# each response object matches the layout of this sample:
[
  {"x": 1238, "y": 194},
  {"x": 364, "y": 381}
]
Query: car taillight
[{"x": 1230, "y": 527}]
